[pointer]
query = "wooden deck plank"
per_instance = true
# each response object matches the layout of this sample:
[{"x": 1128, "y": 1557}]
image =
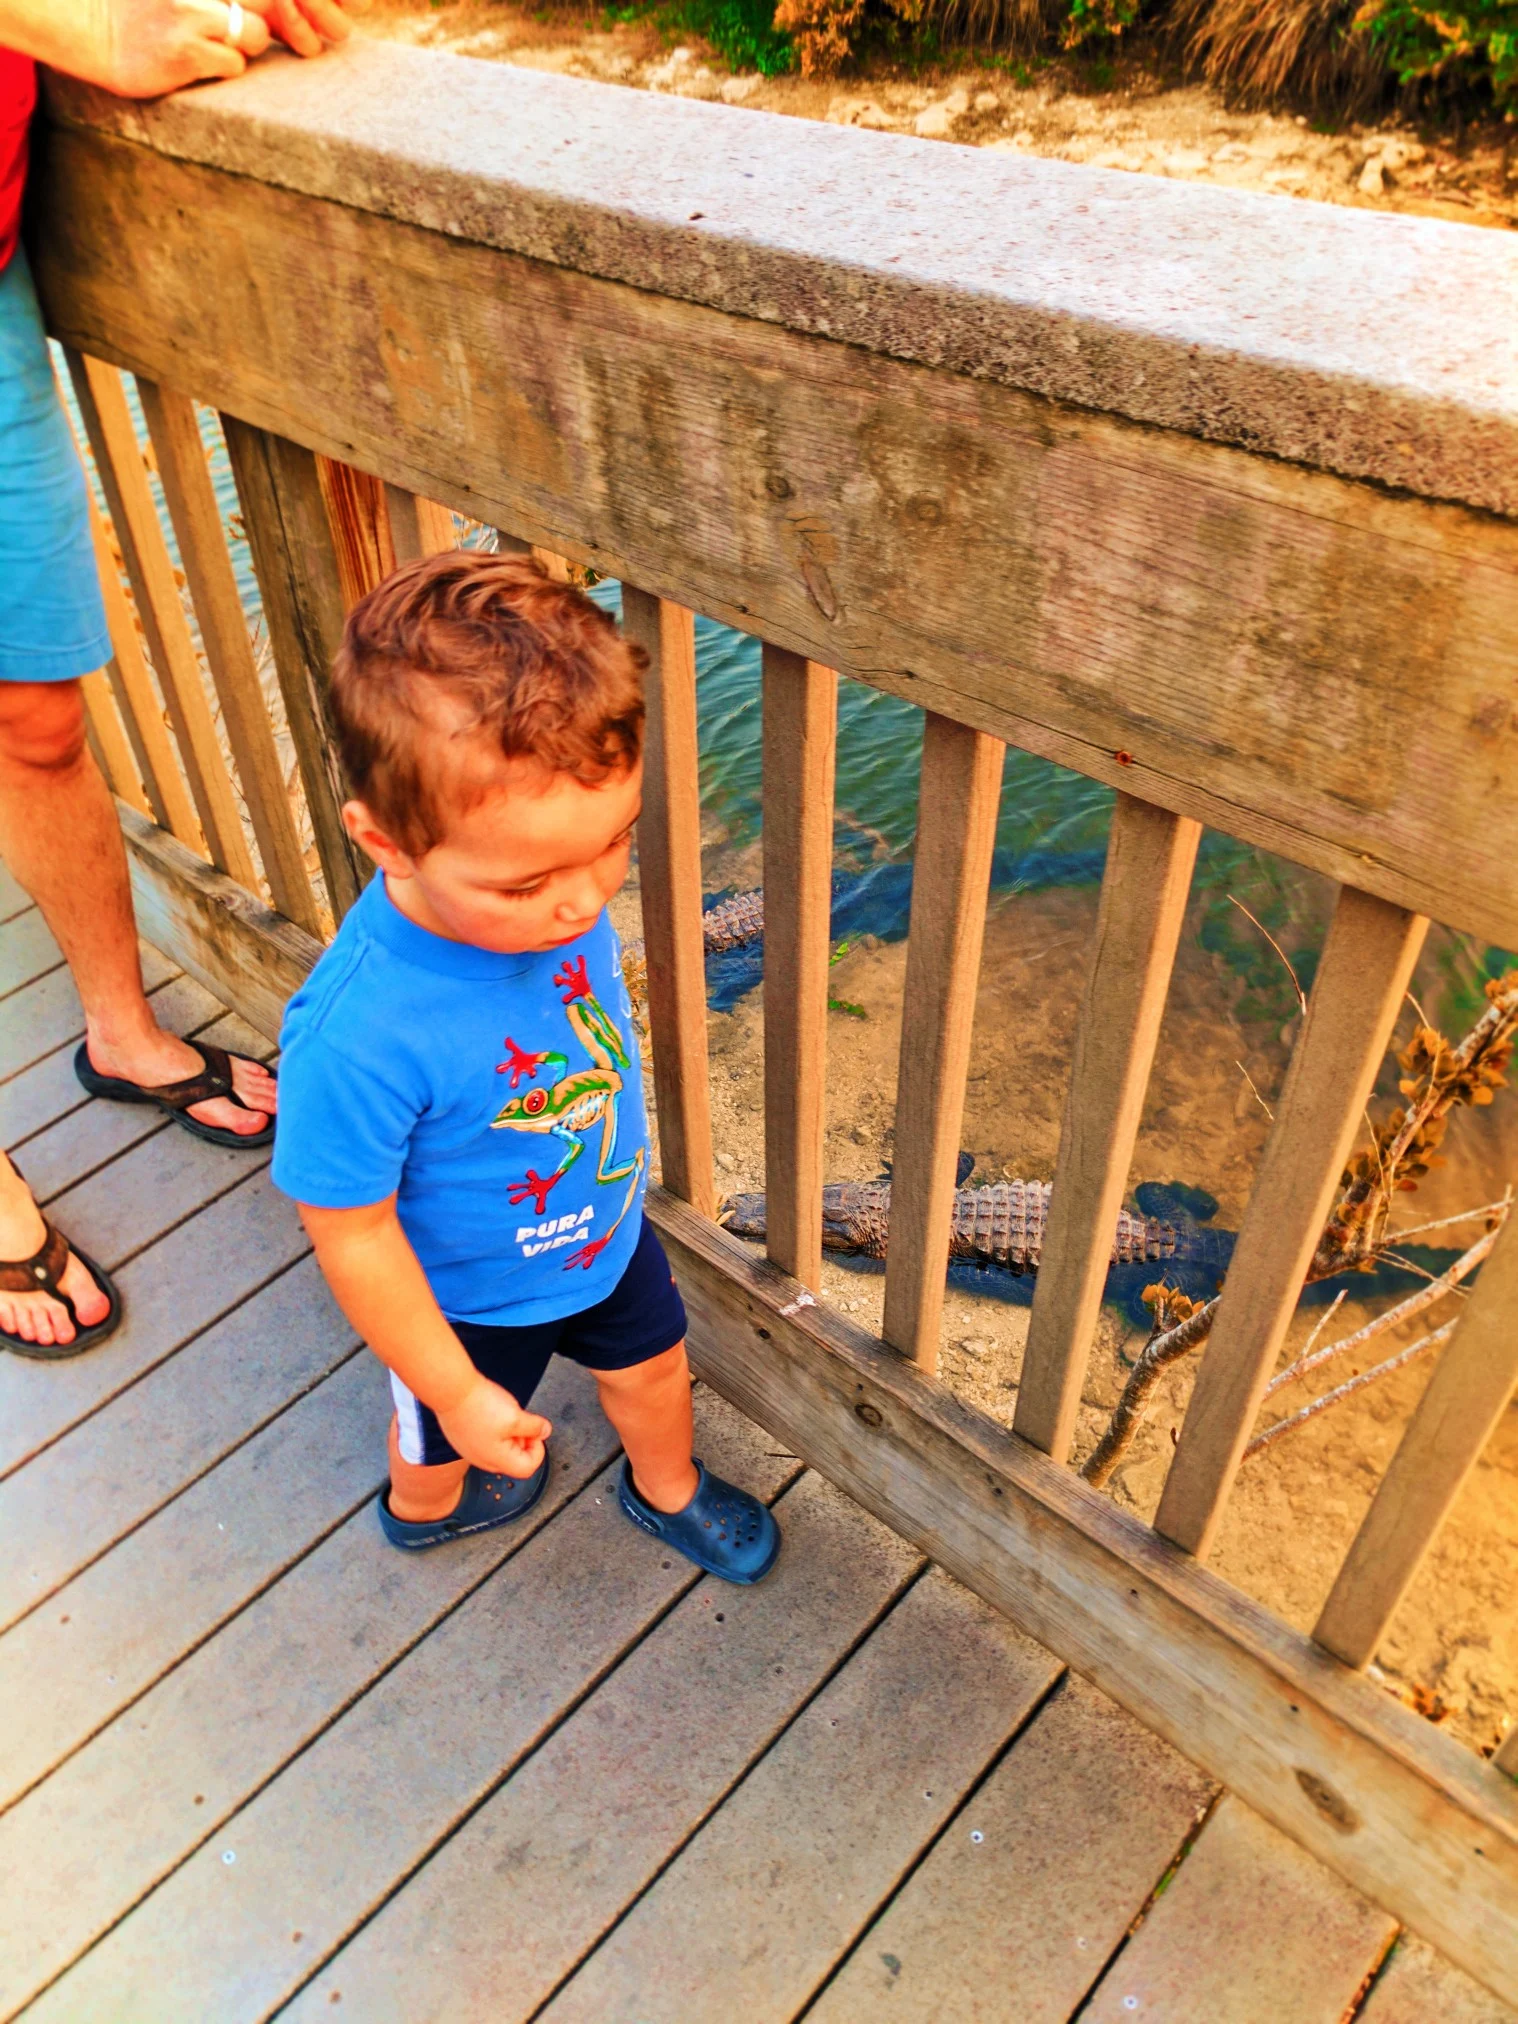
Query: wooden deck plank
[
  {"x": 569, "y": 1841},
  {"x": 14, "y": 897},
  {"x": 1252, "y": 1928},
  {"x": 122, "y": 1464},
  {"x": 127, "y": 1205},
  {"x": 752, "y": 1916},
  {"x": 118, "y": 1626},
  {"x": 1418, "y": 1986},
  {"x": 122, "y": 1813},
  {"x": 322, "y": 1846},
  {"x": 91, "y": 1133},
  {"x": 1078, "y": 1824},
  {"x": 27, "y": 951},
  {"x": 171, "y": 1292}
]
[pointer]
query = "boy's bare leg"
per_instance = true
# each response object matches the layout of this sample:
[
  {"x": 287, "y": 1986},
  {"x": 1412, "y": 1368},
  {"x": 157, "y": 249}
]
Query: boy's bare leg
[
  {"x": 35, "y": 1317},
  {"x": 60, "y": 837},
  {"x": 649, "y": 1405},
  {"x": 419, "y": 1493}
]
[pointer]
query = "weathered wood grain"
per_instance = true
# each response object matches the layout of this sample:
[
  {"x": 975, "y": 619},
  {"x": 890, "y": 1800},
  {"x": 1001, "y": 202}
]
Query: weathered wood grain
[
  {"x": 1150, "y": 855},
  {"x": 1417, "y": 1987},
  {"x": 251, "y": 958},
  {"x": 1394, "y": 1806},
  {"x": 174, "y": 430},
  {"x": 573, "y": 1836},
  {"x": 124, "y": 1463},
  {"x": 1230, "y": 637},
  {"x": 418, "y": 527},
  {"x": 959, "y": 794},
  {"x": 161, "y": 1182},
  {"x": 359, "y": 519},
  {"x": 1455, "y": 1418},
  {"x": 116, "y": 1628},
  {"x": 123, "y": 476},
  {"x": 1075, "y": 1827},
  {"x": 290, "y": 538},
  {"x": 1366, "y": 966},
  {"x": 171, "y": 1291},
  {"x": 1251, "y": 1929},
  {"x": 873, "y": 1768},
  {"x": 669, "y": 882},
  {"x": 36, "y": 1097},
  {"x": 27, "y": 951},
  {"x": 138, "y": 1798},
  {"x": 532, "y": 1642},
  {"x": 800, "y": 708}
]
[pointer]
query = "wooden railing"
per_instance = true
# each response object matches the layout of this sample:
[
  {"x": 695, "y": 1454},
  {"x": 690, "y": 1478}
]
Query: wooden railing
[{"x": 1298, "y": 653}]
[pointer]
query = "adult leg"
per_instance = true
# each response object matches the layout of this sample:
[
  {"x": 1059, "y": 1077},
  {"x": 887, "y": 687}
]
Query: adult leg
[
  {"x": 649, "y": 1405},
  {"x": 36, "y": 1317},
  {"x": 61, "y": 840}
]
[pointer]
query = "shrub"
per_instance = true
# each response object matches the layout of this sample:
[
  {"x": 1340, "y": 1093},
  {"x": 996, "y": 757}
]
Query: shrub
[{"x": 1476, "y": 44}]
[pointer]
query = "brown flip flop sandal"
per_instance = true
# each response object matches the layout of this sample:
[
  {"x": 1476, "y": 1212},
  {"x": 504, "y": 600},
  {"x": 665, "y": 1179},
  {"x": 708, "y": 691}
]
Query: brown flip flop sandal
[
  {"x": 175, "y": 1098},
  {"x": 43, "y": 1273}
]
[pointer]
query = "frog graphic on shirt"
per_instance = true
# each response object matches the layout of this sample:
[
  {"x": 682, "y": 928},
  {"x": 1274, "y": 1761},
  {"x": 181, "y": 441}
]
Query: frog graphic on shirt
[{"x": 569, "y": 1104}]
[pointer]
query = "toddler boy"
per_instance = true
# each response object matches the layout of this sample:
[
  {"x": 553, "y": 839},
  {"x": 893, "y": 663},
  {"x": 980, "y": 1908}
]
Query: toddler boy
[{"x": 461, "y": 1106}]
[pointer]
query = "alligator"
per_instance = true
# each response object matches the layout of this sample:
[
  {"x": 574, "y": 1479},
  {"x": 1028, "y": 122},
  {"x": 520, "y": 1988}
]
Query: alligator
[{"x": 1003, "y": 1224}]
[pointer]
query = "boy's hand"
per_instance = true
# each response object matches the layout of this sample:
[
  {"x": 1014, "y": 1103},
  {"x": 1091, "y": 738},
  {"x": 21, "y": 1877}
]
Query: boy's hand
[{"x": 490, "y": 1429}]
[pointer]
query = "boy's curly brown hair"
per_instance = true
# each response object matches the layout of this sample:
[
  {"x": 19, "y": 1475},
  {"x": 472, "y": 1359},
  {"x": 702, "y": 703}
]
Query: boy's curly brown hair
[{"x": 460, "y": 661}]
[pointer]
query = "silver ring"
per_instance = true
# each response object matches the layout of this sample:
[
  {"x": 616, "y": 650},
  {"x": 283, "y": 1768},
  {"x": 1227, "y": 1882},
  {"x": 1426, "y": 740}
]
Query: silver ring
[{"x": 235, "y": 18}]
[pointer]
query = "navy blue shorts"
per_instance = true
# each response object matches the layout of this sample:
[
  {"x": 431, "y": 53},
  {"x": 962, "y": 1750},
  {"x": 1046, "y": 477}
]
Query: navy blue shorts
[{"x": 641, "y": 1317}]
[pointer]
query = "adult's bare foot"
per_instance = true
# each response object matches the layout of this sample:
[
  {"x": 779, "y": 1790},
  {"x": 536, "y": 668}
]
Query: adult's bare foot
[
  {"x": 38, "y": 1317},
  {"x": 156, "y": 1057}
]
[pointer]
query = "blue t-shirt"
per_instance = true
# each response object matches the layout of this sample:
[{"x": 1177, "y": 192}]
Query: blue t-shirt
[{"x": 500, "y": 1097}]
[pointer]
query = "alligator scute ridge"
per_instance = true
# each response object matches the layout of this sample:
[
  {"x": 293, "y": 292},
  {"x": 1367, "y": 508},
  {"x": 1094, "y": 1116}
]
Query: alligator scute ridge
[{"x": 1002, "y": 1224}]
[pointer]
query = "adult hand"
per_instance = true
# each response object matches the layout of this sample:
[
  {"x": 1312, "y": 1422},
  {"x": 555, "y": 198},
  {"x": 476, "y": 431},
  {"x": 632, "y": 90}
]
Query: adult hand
[
  {"x": 143, "y": 48},
  {"x": 306, "y": 25},
  {"x": 490, "y": 1429}
]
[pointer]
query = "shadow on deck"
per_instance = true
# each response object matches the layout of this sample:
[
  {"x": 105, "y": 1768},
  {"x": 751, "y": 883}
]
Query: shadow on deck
[{"x": 252, "y": 1761}]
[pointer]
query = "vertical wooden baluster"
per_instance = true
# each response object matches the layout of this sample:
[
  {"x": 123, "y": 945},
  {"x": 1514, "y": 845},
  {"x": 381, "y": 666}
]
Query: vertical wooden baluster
[
  {"x": 360, "y": 524},
  {"x": 1456, "y": 1417},
  {"x": 1150, "y": 855},
  {"x": 112, "y": 748},
  {"x": 182, "y": 468},
  {"x": 293, "y": 557},
  {"x": 136, "y": 778},
  {"x": 1366, "y": 964},
  {"x": 141, "y": 712},
  {"x": 118, "y": 458},
  {"x": 800, "y": 734},
  {"x": 951, "y": 874},
  {"x": 669, "y": 870},
  {"x": 418, "y": 526}
]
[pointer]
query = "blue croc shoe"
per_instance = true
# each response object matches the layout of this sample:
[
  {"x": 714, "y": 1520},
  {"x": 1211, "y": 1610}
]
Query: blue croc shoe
[
  {"x": 724, "y": 1530},
  {"x": 486, "y": 1501}
]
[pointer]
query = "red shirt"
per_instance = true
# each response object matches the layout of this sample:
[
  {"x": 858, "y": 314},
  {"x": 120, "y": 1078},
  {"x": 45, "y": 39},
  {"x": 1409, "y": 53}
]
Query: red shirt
[{"x": 18, "y": 94}]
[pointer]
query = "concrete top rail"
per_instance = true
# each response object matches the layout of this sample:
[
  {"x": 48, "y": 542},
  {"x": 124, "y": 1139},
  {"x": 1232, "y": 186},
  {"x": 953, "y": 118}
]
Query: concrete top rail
[{"x": 1376, "y": 346}]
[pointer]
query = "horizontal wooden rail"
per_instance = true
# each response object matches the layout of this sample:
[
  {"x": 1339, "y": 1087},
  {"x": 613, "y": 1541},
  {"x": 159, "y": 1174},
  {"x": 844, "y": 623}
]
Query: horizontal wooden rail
[
  {"x": 669, "y": 879},
  {"x": 1150, "y": 855},
  {"x": 1366, "y": 965},
  {"x": 800, "y": 735},
  {"x": 1105, "y": 595},
  {"x": 1456, "y": 1417},
  {"x": 957, "y": 803}
]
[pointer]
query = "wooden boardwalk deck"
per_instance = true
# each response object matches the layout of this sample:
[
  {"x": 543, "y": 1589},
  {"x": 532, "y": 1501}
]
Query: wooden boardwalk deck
[{"x": 252, "y": 1762}]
